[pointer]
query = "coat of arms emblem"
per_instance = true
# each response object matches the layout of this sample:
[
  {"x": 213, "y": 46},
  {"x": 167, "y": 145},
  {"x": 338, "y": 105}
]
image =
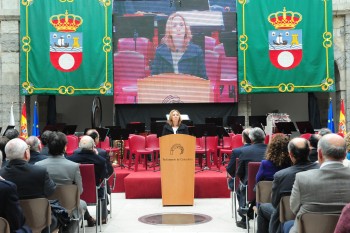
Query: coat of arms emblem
[
  {"x": 66, "y": 45},
  {"x": 285, "y": 43}
]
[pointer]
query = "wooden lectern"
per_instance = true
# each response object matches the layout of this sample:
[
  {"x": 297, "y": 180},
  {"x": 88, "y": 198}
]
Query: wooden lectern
[
  {"x": 171, "y": 88},
  {"x": 177, "y": 160}
]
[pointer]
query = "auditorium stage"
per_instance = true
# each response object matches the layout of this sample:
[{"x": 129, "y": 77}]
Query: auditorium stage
[{"x": 147, "y": 184}]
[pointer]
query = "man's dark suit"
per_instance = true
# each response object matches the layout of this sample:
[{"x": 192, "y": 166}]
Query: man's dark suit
[
  {"x": 103, "y": 153},
  {"x": 36, "y": 157},
  {"x": 32, "y": 181},
  {"x": 282, "y": 185},
  {"x": 252, "y": 153},
  {"x": 10, "y": 208},
  {"x": 44, "y": 151},
  {"x": 231, "y": 167}
]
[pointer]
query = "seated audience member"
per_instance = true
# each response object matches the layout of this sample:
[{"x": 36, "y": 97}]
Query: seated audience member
[
  {"x": 313, "y": 140},
  {"x": 93, "y": 133},
  {"x": 11, "y": 134},
  {"x": 32, "y": 181},
  {"x": 231, "y": 167},
  {"x": 253, "y": 153},
  {"x": 35, "y": 148},
  {"x": 9, "y": 206},
  {"x": 343, "y": 225},
  {"x": 3, "y": 141},
  {"x": 44, "y": 140},
  {"x": 324, "y": 131},
  {"x": 89, "y": 155},
  {"x": 328, "y": 185},
  {"x": 268, "y": 213},
  {"x": 277, "y": 158},
  {"x": 63, "y": 171}
]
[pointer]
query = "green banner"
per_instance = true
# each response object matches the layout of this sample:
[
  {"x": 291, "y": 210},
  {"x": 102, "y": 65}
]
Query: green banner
[
  {"x": 66, "y": 47},
  {"x": 285, "y": 46}
]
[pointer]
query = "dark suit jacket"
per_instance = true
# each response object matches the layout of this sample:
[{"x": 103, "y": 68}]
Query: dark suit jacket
[
  {"x": 252, "y": 153},
  {"x": 313, "y": 155},
  {"x": 89, "y": 157},
  {"x": 231, "y": 167},
  {"x": 36, "y": 157},
  {"x": 104, "y": 155},
  {"x": 44, "y": 151},
  {"x": 32, "y": 181},
  {"x": 167, "y": 129},
  {"x": 10, "y": 208},
  {"x": 282, "y": 185},
  {"x": 191, "y": 62}
]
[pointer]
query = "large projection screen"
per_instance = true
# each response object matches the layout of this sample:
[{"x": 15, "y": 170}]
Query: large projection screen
[{"x": 167, "y": 52}]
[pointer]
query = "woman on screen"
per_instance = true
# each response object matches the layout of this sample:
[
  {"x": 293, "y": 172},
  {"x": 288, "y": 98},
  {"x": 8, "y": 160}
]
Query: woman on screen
[
  {"x": 176, "y": 53},
  {"x": 174, "y": 125}
]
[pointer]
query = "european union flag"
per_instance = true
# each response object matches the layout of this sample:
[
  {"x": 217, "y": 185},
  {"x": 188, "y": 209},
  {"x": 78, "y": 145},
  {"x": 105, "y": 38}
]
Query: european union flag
[
  {"x": 330, "y": 122},
  {"x": 35, "y": 127}
]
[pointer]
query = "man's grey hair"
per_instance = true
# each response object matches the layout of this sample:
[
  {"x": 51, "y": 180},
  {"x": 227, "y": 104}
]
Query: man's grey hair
[
  {"x": 324, "y": 131},
  {"x": 332, "y": 146},
  {"x": 15, "y": 149},
  {"x": 257, "y": 135},
  {"x": 86, "y": 143},
  {"x": 34, "y": 143}
]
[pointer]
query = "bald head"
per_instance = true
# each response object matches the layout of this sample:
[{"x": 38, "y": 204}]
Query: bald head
[
  {"x": 332, "y": 147},
  {"x": 86, "y": 143},
  {"x": 16, "y": 149},
  {"x": 299, "y": 149}
]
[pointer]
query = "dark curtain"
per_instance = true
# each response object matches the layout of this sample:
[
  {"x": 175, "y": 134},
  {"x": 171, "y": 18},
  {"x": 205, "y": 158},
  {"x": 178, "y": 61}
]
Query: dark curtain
[
  {"x": 51, "y": 110},
  {"x": 197, "y": 112},
  {"x": 314, "y": 111}
]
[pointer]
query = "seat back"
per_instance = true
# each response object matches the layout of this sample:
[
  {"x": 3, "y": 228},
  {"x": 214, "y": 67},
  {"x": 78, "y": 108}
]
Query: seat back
[
  {"x": 37, "y": 212},
  {"x": 137, "y": 142},
  {"x": 152, "y": 141},
  {"x": 129, "y": 66},
  {"x": 68, "y": 195},
  {"x": 317, "y": 222},
  {"x": 211, "y": 143},
  {"x": 142, "y": 46},
  {"x": 263, "y": 191},
  {"x": 306, "y": 135},
  {"x": 105, "y": 144},
  {"x": 89, "y": 194},
  {"x": 236, "y": 141},
  {"x": 253, "y": 168},
  {"x": 4, "y": 226},
  {"x": 72, "y": 144},
  {"x": 209, "y": 43},
  {"x": 285, "y": 211}
]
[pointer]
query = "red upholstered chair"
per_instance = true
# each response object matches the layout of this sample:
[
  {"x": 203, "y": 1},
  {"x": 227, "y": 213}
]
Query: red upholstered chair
[
  {"x": 253, "y": 168},
  {"x": 199, "y": 151},
  {"x": 210, "y": 145},
  {"x": 228, "y": 75},
  {"x": 89, "y": 194},
  {"x": 306, "y": 135},
  {"x": 72, "y": 144},
  {"x": 212, "y": 66},
  {"x": 226, "y": 148},
  {"x": 143, "y": 46},
  {"x": 267, "y": 139},
  {"x": 209, "y": 43},
  {"x": 129, "y": 66},
  {"x": 137, "y": 144},
  {"x": 126, "y": 151},
  {"x": 152, "y": 143},
  {"x": 236, "y": 141}
]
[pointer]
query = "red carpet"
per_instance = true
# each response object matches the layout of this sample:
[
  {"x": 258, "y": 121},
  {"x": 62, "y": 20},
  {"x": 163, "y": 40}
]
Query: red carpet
[{"x": 146, "y": 184}]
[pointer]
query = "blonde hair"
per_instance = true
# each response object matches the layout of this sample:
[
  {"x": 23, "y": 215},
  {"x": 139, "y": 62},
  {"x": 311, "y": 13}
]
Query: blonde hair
[
  {"x": 168, "y": 39},
  {"x": 170, "y": 120}
]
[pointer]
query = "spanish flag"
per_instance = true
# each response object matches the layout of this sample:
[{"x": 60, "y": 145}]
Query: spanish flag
[
  {"x": 24, "y": 132},
  {"x": 342, "y": 119}
]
